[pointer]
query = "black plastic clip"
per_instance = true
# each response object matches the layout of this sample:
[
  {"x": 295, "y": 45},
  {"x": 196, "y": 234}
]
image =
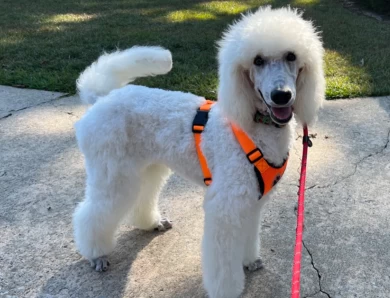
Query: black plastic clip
[
  {"x": 306, "y": 139},
  {"x": 207, "y": 181},
  {"x": 200, "y": 121},
  {"x": 257, "y": 155}
]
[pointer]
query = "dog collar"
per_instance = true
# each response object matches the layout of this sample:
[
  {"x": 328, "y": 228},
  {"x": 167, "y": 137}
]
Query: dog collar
[{"x": 265, "y": 119}]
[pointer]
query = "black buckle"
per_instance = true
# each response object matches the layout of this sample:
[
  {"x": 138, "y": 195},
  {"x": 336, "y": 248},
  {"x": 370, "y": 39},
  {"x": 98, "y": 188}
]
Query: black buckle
[
  {"x": 307, "y": 140},
  {"x": 252, "y": 152},
  {"x": 207, "y": 181},
  {"x": 200, "y": 119}
]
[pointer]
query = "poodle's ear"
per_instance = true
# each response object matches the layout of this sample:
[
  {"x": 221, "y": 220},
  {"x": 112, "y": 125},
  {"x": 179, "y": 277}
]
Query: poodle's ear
[
  {"x": 236, "y": 94},
  {"x": 310, "y": 90}
]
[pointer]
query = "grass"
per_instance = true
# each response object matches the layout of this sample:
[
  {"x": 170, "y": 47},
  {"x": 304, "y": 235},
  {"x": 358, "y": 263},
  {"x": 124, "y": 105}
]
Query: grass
[
  {"x": 44, "y": 44},
  {"x": 379, "y": 6}
]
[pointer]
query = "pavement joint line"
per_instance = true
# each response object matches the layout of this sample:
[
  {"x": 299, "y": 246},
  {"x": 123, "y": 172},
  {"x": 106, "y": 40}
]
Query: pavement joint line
[{"x": 11, "y": 112}]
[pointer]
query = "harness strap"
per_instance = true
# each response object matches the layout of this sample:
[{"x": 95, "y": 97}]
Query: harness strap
[
  {"x": 198, "y": 126},
  {"x": 267, "y": 174},
  {"x": 252, "y": 152}
]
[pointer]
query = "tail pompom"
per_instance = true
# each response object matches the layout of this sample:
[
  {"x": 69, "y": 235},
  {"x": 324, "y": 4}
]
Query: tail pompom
[{"x": 114, "y": 70}]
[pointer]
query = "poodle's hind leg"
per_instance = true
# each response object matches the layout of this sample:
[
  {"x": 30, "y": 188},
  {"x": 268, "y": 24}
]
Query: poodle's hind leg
[
  {"x": 107, "y": 200},
  {"x": 145, "y": 214}
]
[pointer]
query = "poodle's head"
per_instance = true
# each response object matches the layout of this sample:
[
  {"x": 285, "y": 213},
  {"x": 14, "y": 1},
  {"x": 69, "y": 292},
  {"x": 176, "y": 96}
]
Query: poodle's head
[{"x": 271, "y": 61}]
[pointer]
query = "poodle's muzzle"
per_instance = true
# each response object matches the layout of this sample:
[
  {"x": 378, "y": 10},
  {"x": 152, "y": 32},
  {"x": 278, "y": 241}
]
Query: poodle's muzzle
[
  {"x": 280, "y": 114},
  {"x": 275, "y": 82},
  {"x": 281, "y": 110},
  {"x": 281, "y": 97}
]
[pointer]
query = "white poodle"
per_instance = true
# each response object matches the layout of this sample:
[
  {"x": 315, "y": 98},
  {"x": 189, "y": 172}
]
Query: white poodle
[{"x": 270, "y": 64}]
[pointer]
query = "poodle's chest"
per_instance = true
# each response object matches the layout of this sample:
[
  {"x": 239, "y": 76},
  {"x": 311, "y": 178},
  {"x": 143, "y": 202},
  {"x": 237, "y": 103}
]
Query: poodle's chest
[{"x": 267, "y": 173}]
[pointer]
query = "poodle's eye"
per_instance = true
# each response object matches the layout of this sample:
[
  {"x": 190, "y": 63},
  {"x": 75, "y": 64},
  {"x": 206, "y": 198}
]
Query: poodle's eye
[
  {"x": 291, "y": 57},
  {"x": 258, "y": 61}
]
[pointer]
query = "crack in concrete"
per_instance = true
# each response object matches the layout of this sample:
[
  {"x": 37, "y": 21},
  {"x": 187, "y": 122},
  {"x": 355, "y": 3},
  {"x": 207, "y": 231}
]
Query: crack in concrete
[
  {"x": 356, "y": 165},
  {"x": 318, "y": 273},
  {"x": 10, "y": 113},
  {"x": 311, "y": 256},
  {"x": 312, "y": 295},
  {"x": 71, "y": 114},
  {"x": 321, "y": 290},
  {"x": 6, "y": 116},
  {"x": 310, "y": 187},
  {"x": 383, "y": 148}
]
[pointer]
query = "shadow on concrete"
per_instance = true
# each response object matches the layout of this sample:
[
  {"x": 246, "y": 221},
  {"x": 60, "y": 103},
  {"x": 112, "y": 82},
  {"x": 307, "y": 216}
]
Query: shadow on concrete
[{"x": 80, "y": 280}]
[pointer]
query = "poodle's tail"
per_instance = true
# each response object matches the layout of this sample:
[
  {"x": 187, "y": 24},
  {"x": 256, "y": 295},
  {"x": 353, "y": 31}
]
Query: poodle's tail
[{"x": 112, "y": 71}]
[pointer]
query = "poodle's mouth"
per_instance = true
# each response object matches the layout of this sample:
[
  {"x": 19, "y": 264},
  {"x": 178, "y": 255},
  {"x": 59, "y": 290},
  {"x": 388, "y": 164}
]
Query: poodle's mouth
[{"x": 281, "y": 115}]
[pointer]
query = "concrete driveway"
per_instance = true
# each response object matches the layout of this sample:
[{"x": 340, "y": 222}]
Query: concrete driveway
[{"x": 347, "y": 228}]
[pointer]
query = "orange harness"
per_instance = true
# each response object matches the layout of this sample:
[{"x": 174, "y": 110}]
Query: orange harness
[{"x": 267, "y": 174}]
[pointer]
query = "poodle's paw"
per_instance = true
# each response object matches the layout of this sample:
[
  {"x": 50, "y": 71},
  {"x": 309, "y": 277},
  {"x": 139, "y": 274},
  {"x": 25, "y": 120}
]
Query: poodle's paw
[
  {"x": 256, "y": 265},
  {"x": 163, "y": 225},
  {"x": 100, "y": 264}
]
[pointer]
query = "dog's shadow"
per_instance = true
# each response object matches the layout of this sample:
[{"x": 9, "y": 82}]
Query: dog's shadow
[{"x": 78, "y": 279}]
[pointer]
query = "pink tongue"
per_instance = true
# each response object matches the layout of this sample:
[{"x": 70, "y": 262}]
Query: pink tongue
[{"x": 282, "y": 113}]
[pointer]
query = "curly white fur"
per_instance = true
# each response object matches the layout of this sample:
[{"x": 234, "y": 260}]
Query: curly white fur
[{"x": 132, "y": 135}]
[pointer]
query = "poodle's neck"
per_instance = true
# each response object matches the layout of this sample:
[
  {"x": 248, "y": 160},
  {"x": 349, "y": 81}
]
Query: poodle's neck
[
  {"x": 237, "y": 108},
  {"x": 243, "y": 120},
  {"x": 274, "y": 142},
  {"x": 253, "y": 122}
]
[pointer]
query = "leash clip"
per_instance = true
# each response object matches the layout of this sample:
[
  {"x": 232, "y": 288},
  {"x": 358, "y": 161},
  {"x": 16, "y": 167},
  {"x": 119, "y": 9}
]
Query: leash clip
[{"x": 306, "y": 139}]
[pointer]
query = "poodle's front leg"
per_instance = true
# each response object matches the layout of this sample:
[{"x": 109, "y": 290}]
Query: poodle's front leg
[
  {"x": 223, "y": 248},
  {"x": 252, "y": 260}
]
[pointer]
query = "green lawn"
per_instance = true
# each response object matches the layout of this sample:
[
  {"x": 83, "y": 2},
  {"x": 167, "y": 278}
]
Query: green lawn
[
  {"x": 44, "y": 44},
  {"x": 379, "y": 6}
]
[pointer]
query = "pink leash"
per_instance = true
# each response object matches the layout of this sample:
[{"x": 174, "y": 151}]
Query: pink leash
[{"x": 296, "y": 273}]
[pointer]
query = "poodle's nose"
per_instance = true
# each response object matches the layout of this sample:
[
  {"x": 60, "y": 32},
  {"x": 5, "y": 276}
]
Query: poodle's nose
[{"x": 281, "y": 97}]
